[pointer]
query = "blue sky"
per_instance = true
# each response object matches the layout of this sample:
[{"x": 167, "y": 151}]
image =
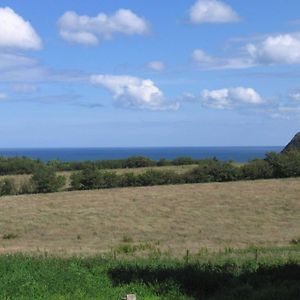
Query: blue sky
[{"x": 149, "y": 73}]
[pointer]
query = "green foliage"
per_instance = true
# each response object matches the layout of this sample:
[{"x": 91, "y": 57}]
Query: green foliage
[
  {"x": 213, "y": 170},
  {"x": 153, "y": 177},
  {"x": 23, "y": 165},
  {"x": 284, "y": 164},
  {"x": 45, "y": 180},
  {"x": 138, "y": 162},
  {"x": 184, "y": 160},
  {"x": 257, "y": 169},
  {"x": 7, "y": 187},
  {"x": 91, "y": 175},
  {"x": 18, "y": 165},
  {"x": 27, "y": 277}
]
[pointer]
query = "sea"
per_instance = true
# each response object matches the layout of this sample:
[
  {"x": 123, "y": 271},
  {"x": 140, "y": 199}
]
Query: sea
[{"x": 238, "y": 154}]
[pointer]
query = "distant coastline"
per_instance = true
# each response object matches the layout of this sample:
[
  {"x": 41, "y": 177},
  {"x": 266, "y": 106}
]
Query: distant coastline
[{"x": 236, "y": 153}]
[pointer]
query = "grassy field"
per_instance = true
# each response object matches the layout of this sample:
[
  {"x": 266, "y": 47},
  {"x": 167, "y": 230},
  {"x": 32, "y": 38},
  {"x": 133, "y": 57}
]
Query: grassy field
[
  {"x": 272, "y": 277},
  {"x": 19, "y": 179},
  {"x": 168, "y": 219}
]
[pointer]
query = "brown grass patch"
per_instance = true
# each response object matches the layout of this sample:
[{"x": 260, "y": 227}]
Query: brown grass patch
[{"x": 193, "y": 216}]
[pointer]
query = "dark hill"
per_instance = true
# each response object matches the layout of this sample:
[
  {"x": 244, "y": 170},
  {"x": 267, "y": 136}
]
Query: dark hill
[{"x": 294, "y": 144}]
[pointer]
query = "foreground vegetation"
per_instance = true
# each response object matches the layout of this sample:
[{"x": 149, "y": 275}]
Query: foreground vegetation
[{"x": 272, "y": 276}]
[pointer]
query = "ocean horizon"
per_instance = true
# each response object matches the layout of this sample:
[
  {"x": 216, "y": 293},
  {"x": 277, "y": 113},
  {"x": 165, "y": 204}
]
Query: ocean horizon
[{"x": 235, "y": 153}]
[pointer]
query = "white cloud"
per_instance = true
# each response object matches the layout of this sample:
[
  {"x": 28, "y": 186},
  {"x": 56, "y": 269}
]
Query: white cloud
[
  {"x": 156, "y": 66},
  {"x": 266, "y": 50},
  {"x": 91, "y": 30},
  {"x": 205, "y": 61},
  {"x": 133, "y": 92},
  {"x": 201, "y": 57},
  {"x": 277, "y": 49},
  {"x": 212, "y": 11},
  {"x": 229, "y": 98},
  {"x": 16, "y": 32},
  {"x": 3, "y": 96},
  {"x": 294, "y": 95},
  {"x": 11, "y": 61}
]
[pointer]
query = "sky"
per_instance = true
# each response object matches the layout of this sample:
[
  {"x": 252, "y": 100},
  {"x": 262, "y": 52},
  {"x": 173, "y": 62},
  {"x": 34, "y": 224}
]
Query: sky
[{"x": 137, "y": 73}]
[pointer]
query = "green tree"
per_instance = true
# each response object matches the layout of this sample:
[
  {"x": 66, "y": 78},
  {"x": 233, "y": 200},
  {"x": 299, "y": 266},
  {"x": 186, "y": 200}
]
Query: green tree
[{"x": 45, "y": 180}]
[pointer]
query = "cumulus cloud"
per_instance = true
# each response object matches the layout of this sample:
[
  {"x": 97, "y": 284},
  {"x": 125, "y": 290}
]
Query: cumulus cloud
[
  {"x": 228, "y": 98},
  {"x": 212, "y": 11},
  {"x": 91, "y": 30},
  {"x": 16, "y": 32},
  {"x": 156, "y": 66},
  {"x": 134, "y": 92},
  {"x": 277, "y": 49}
]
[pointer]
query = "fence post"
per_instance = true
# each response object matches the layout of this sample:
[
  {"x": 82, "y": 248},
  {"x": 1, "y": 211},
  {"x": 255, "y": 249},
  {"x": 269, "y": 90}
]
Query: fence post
[{"x": 187, "y": 256}]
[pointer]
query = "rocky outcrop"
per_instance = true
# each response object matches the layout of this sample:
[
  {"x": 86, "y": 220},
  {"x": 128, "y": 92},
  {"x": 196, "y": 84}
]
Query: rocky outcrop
[{"x": 294, "y": 144}]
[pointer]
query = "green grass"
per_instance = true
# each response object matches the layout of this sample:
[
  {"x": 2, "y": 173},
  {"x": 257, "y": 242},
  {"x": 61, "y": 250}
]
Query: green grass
[{"x": 262, "y": 274}]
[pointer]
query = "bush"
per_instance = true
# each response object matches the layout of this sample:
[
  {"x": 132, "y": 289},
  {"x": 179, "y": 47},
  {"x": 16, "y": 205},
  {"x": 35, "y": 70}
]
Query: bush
[
  {"x": 152, "y": 177},
  {"x": 284, "y": 164},
  {"x": 90, "y": 179},
  {"x": 108, "y": 180},
  {"x": 85, "y": 180},
  {"x": 257, "y": 169},
  {"x": 212, "y": 170},
  {"x": 138, "y": 162},
  {"x": 7, "y": 187},
  {"x": 45, "y": 180},
  {"x": 184, "y": 160},
  {"x": 128, "y": 179}
]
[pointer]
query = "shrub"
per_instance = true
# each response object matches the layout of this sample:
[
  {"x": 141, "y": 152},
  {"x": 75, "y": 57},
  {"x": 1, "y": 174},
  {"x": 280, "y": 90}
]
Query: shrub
[
  {"x": 138, "y": 162},
  {"x": 163, "y": 162},
  {"x": 212, "y": 170},
  {"x": 153, "y": 177},
  {"x": 257, "y": 169},
  {"x": 128, "y": 179},
  {"x": 7, "y": 187},
  {"x": 108, "y": 180},
  {"x": 284, "y": 164},
  {"x": 184, "y": 160},
  {"x": 45, "y": 180}
]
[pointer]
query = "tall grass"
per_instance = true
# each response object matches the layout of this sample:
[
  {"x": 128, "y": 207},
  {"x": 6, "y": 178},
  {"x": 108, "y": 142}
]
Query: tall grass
[{"x": 271, "y": 277}]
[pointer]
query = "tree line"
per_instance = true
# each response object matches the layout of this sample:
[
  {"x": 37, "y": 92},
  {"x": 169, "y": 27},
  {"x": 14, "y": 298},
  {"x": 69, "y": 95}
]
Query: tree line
[
  {"x": 45, "y": 179},
  {"x": 25, "y": 165}
]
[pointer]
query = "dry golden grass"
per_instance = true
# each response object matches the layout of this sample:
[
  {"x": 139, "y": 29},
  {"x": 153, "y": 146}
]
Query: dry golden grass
[{"x": 215, "y": 215}]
